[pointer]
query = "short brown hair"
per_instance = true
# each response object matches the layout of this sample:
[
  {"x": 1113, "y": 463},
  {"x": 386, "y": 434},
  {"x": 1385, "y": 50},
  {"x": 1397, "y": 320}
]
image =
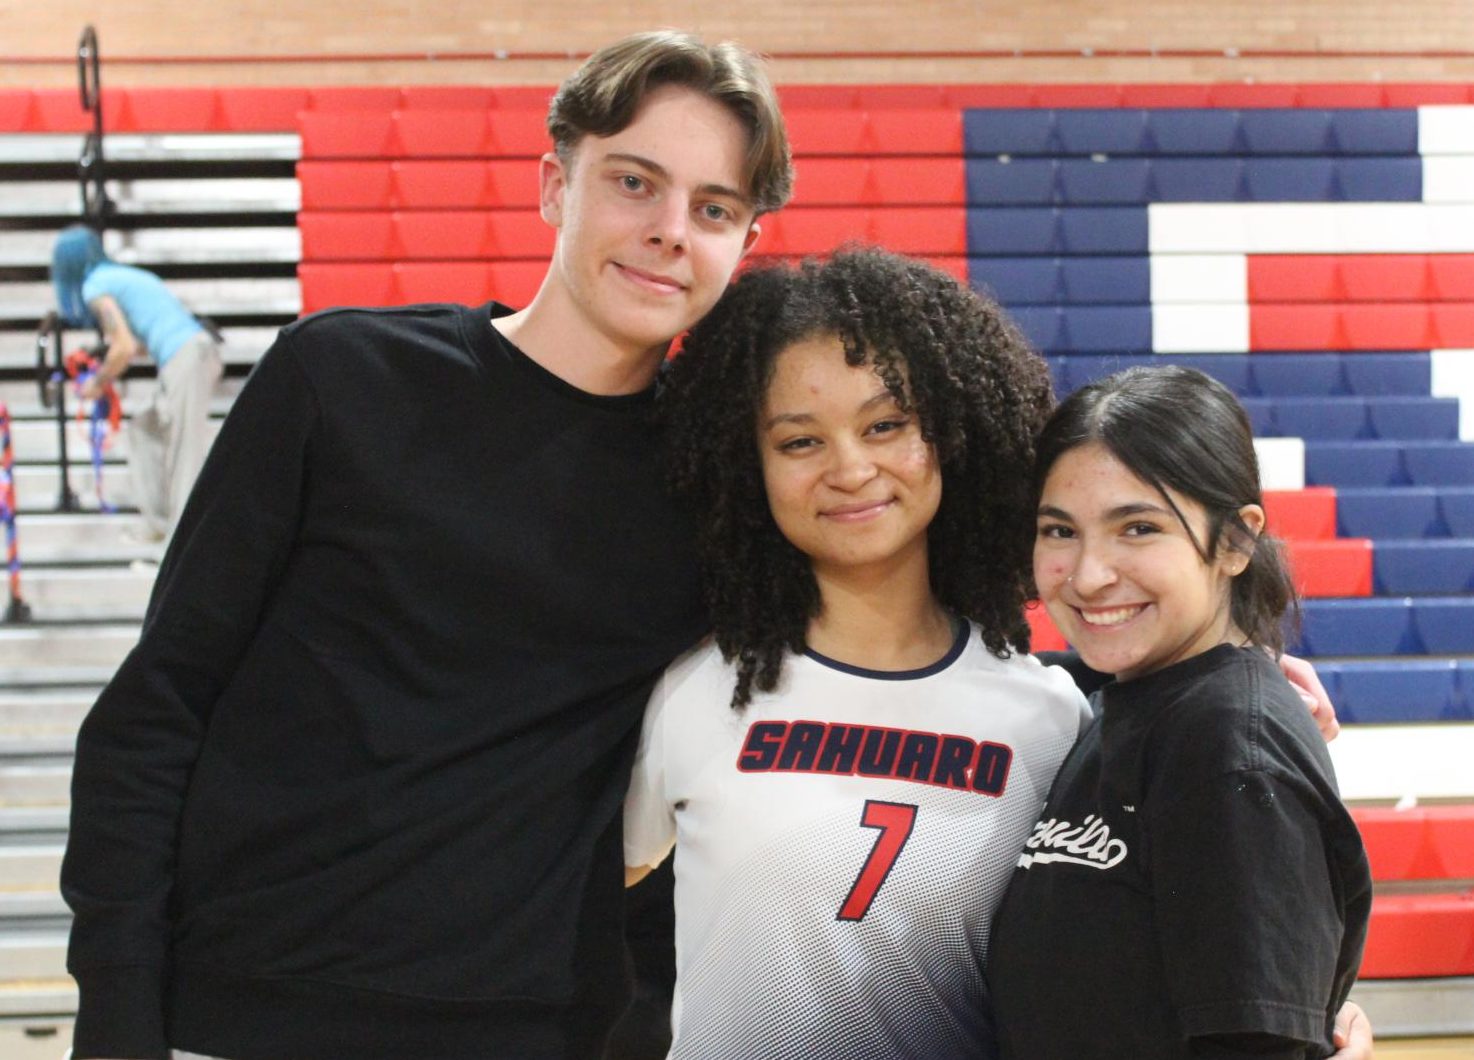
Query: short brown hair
[{"x": 602, "y": 96}]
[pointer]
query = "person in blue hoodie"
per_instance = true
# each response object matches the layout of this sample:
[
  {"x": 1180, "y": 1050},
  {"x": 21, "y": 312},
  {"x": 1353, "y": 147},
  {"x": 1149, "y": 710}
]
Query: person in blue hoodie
[{"x": 139, "y": 318}]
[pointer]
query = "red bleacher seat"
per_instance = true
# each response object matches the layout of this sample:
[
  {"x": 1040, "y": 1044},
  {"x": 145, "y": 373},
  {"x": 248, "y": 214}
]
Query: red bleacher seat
[
  {"x": 1166, "y": 95},
  {"x": 1416, "y": 936},
  {"x": 1452, "y": 326},
  {"x": 1245, "y": 96},
  {"x": 1043, "y": 633},
  {"x": 171, "y": 110},
  {"x": 445, "y": 185},
  {"x": 60, "y": 110},
  {"x": 423, "y": 235},
  {"x": 418, "y": 185},
  {"x": 1388, "y": 326},
  {"x": 15, "y": 109},
  {"x": 1385, "y": 277},
  {"x": 251, "y": 109},
  {"x": 1340, "y": 94},
  {"x": 1451, "y": 277},
  {"x": 329, "y": 284},
  {"x": 1071, "y": 96},
  {"x": 441, "y": 133},
  {"x": 997, "y": 95},
  {"x": 494, "y": 235},
  {"x": 1294, "y": 278},
  {"x": 1332, "y": 566},
  {"x": 334, "y": 284},
  {"x": 910, "y": 230},
  {"x": 920, "y": 229},
  {"x": 1422, "y": 94},
  {"x": 930, "y": 131},
  {"x": 1418, "y": 843},
  {"x": 1419, "y": 935},
  {"x": 380, "y": 98},
  {"x": 358, "y": 134},
  {"x": 346, "y": 236},
  {"x": 1301, "y": 515},
  {"x": 446, "y": 97},
  {"x": 1311, "y": 326},
  {"x": 346, "y": 185},
  {"x": 880, "y": 181},
  {"x": 826, "y": 131},
  {"x": 512, "y": 282}
]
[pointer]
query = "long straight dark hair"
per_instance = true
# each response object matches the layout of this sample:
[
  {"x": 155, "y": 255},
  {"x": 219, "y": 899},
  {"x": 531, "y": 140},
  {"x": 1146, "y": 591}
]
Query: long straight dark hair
[{"x": 1177, "y": 428}]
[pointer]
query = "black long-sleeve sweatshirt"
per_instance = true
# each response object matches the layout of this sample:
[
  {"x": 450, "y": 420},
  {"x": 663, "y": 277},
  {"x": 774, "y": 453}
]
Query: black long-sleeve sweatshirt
[{"x": 356, "y": 791}]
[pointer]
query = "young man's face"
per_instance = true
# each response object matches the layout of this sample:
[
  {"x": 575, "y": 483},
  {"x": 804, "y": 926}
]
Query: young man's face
[{"x": 652, "y": 221}]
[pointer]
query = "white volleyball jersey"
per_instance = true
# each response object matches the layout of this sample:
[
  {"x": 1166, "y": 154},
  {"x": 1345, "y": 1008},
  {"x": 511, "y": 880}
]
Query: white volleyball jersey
[{"x": 841, "y": 846}]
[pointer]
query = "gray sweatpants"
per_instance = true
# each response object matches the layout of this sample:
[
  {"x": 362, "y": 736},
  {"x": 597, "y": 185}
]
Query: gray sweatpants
[{"x": 167, "y": 441}]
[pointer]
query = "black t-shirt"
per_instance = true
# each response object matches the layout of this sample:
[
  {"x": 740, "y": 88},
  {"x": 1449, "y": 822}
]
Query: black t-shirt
[{"x": 1194, "y": 883}]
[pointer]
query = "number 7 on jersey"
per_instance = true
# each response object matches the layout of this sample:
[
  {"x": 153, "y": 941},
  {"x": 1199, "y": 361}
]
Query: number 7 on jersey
[{"x": 894, "y": 821}]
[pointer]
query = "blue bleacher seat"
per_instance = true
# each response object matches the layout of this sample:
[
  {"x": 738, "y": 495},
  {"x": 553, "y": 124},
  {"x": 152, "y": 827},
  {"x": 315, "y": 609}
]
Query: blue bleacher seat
[
  {"x": 1372, "y": 374},
  {"x": 1208, "y": 131},
  {"x": 1445, "y": 624},
  {"x": 1350, "y": 418},
  {"x": 1233, "y": 370},
  {"x": 1008, "y": 132},
  {"x": 1325, "y": 419},
  {"x": 1393, "y": 691},
  {"x": 1018, "y": 281},
  {"x": 1456, "y": 506},
  {"x": 1424, "y": 418},
  {"x": 1389, "y": 131},
  {"x": 1287, "y": 374},
  {"x": 1408, "y": 566},
  {"x": 1287, "y": 132},
  {"x": 1042, "y": 325},
  {"x": 1106, "y": 328},
  {"x": 1103, "y": 229},
  {"x": 1382, "y": 512},
  {"x": 1084, "y": 181},
  {"x": 1380, "y": 179},
  {"x": 1290, "y": 179},
  {"x": 1076, "y": 370},
  {"x": 1261, "y": 417},
  {"x": 1107, "y": 280},
  {"x": 1198, "y": 180},
  {"x": 1013, "y": 230},
  {"x": 1440, "y": 463},
  {"x": 1359, "y": 626},
  {"x": 1364, "y": 463},
  {"x": 1113, "y": 131},
  {"x": 1018, "y": 182}
]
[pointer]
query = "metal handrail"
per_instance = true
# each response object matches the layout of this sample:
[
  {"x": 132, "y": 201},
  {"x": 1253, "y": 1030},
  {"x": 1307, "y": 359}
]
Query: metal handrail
[
  {"x": 92, "y": 165},
  {"x": 51, "y": 379}
]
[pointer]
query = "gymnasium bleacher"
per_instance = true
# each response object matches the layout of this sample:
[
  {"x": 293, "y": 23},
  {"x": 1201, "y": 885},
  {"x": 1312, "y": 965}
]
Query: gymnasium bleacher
[{"x": 1311, "y": 245}]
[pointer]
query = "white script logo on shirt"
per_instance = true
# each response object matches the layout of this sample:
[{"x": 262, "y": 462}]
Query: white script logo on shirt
[{"x": 1089, "y": 844}]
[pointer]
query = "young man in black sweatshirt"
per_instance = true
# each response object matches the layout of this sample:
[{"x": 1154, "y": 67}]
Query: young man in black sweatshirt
[{"x": 356, "y": 791}]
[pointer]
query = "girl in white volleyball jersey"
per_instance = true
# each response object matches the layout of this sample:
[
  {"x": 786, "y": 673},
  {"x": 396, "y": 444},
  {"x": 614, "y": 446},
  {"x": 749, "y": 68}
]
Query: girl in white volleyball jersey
[{"x": 850, "y": 765}]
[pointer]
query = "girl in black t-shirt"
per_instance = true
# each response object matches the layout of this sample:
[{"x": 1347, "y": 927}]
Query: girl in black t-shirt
[{"x": 1194, "y": 887}]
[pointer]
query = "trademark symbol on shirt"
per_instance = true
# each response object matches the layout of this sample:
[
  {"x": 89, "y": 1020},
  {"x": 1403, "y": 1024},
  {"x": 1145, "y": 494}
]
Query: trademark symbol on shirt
[{"x": 1128, "y": 809}]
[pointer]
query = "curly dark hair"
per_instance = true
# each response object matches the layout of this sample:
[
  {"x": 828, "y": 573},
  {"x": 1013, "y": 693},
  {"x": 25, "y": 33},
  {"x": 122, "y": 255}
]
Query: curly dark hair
[{"x": 949, "y": 355}]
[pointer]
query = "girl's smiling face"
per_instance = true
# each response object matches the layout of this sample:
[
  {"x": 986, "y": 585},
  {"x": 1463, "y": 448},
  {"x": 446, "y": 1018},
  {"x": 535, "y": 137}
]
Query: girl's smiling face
[
  {"x": 1119, "y": 572},
  {"x": 849, "y": 478}
]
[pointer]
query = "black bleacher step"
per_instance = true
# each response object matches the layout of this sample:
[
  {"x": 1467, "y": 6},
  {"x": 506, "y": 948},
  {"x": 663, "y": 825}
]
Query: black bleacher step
[{"x": 127, "y": 221}]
